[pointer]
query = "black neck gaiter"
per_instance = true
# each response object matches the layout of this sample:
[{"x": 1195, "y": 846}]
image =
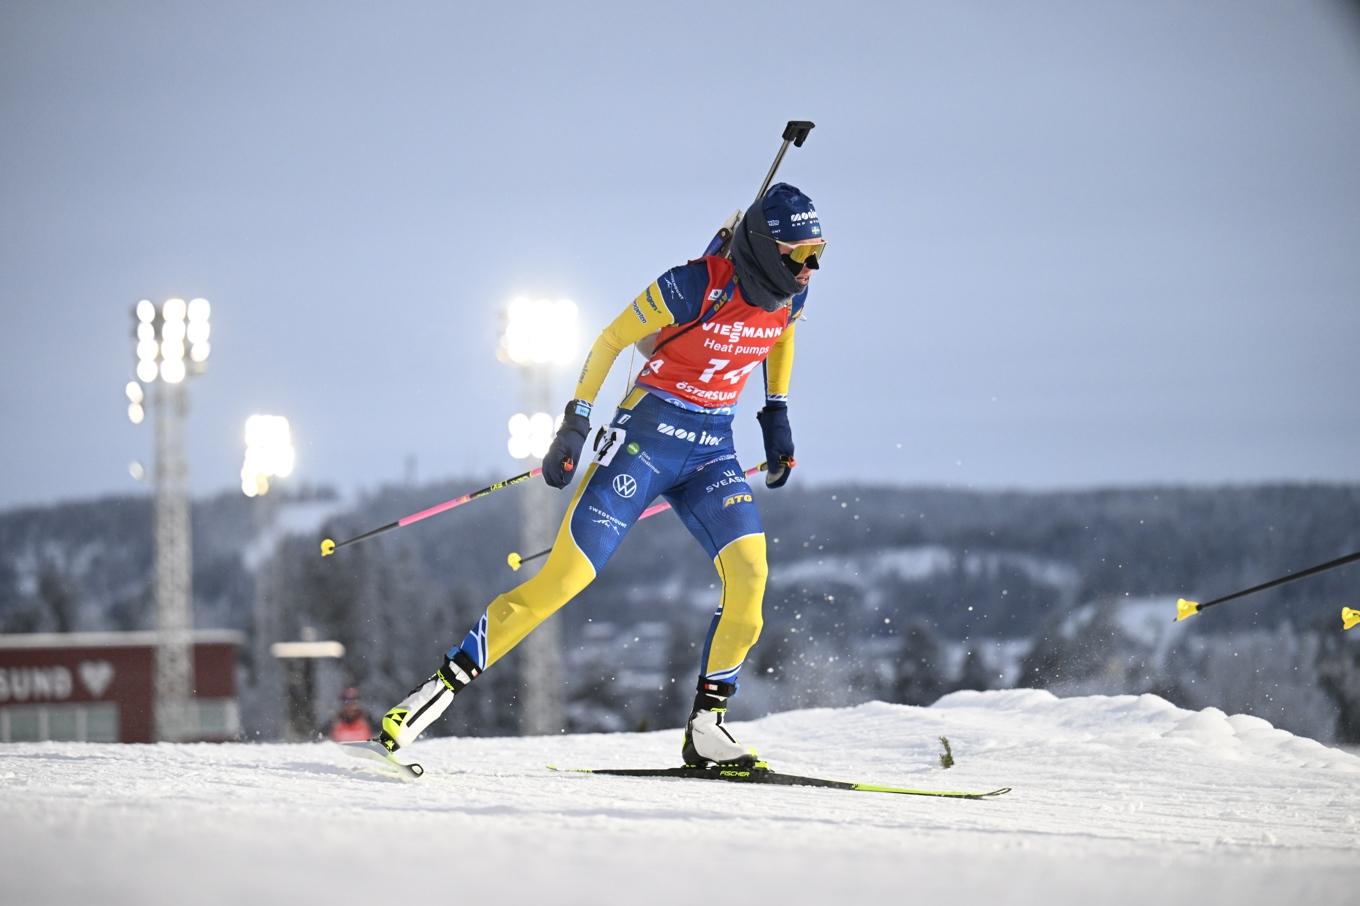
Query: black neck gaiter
[{"x": 765, "y": 281}]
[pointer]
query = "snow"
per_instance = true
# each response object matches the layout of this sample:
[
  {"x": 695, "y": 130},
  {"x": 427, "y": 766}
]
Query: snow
[{"x": 1116, "y": 800}]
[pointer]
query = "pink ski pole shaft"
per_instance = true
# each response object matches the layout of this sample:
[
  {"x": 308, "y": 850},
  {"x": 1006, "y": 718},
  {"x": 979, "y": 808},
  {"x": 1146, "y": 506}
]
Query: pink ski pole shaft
[{"x": 329, "y": 546}]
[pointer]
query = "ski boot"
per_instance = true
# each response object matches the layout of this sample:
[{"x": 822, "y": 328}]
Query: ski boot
[
  {"x": 707, "y": 741},
  {"x": 409, "y": 718}
]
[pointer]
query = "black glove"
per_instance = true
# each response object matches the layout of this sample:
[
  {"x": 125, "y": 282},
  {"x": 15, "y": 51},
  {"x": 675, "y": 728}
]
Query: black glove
[
  {"x": 774, "y": 425},
  {"x": 565, "y": 453}
]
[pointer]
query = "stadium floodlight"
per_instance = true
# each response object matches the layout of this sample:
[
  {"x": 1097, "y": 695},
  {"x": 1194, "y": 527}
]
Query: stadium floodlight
[
  {"x": 540, "y": 332},
  {"x": 172, "y": 340},
  {"x": 518, "y": 445},
  {"x": 537, "y": 334},
  {"x": 269, "y": 453},
  {"x": 136, "y": 413},
  {"x": 531, "y": 435},
  {"x": 198, "y": 330},
  {"x": 164, "y": 337}
]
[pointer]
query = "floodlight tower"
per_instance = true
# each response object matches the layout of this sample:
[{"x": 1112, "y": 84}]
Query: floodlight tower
[
  {"x": 537, "y": 335},
  {"x": 269, "y": 454},
  {"x": 172, "y": 344}
]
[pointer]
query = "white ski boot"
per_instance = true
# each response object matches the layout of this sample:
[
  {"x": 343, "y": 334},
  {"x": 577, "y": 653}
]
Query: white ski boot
[
  {"x": 409, "y": 718},
  {"x": 707, "y": 741}
]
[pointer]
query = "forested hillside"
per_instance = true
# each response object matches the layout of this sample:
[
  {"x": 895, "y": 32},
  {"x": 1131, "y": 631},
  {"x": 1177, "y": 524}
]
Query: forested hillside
[{"x": 900, "y": 594}]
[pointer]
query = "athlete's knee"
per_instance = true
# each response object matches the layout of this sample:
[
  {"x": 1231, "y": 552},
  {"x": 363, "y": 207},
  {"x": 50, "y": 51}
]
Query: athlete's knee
[
  {"x": 744, "y": 569},
  {"x": 741, "y": 630}
]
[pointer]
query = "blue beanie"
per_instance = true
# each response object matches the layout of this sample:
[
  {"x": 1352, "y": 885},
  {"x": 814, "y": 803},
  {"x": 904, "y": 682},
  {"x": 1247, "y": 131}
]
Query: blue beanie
[{"x": 789, "y": 214}]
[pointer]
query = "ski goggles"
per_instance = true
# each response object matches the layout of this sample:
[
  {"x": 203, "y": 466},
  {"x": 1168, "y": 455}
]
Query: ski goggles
[{"x": 808, "y": 254}]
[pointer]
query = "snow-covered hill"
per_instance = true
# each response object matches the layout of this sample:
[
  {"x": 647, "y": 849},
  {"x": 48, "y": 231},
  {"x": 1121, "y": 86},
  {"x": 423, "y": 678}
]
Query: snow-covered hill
[{"x": 1116, "y": 800}]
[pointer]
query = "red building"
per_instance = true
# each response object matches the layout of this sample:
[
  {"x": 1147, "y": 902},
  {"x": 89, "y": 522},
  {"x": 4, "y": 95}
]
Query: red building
[{"x": 98, "y": 686}]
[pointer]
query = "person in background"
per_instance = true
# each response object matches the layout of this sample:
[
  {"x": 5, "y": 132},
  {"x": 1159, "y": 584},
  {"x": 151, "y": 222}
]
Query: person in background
[{"x": 351, "y": 723}]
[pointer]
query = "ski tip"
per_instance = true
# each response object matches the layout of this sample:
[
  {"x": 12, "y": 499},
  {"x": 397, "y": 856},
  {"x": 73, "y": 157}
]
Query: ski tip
[
  {"x": 372, "y": 750},
  {"x": 1001, "y": 792},
  {"x": 411, "y": 771}
]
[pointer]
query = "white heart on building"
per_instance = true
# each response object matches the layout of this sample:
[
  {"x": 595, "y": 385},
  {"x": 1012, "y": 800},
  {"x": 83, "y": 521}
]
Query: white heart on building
[{"x": 96, "y": 675}]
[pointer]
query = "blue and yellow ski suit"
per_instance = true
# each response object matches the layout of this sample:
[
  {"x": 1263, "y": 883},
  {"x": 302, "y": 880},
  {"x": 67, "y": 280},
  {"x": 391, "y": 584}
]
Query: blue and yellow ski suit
[{"x": 670, "y": 437}]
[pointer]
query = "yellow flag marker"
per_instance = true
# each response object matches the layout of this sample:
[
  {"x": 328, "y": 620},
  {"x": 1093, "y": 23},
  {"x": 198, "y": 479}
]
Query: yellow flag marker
[
  {"x": 327, "y": 547},
  {"x": 515, "y": 561},
  {"x": 1186, "y": 609},
  {"x": 1350, "y": 618}
]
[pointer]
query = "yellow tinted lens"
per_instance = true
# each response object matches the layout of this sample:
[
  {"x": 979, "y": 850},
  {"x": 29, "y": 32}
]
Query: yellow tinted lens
[{"x": 801, "y": 253}]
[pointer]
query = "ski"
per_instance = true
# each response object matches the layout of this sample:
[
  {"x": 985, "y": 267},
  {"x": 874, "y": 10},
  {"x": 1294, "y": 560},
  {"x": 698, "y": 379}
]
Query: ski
[
  {"x": 372, "y": 750},
  {"x": 762, "y": 774}
]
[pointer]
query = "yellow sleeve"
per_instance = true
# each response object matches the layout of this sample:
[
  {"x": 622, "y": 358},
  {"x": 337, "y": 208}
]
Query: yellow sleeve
[
  {"x": 779, "y": 367},
  {"x": 643, "y": 317}
]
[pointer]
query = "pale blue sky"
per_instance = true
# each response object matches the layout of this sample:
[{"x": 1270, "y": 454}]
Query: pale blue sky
[{"x": 1071, "y": 243}]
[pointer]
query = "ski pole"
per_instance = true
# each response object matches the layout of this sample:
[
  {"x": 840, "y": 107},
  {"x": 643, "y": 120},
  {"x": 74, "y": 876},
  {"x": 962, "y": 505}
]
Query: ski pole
[
  {"x": 516, "y": 561},
  {"x": 1350, "y": 618},
  {"x": 795, "y": 133},
  {"x": 1187, "y": 609},
  {"x": 328, "y": 546}
]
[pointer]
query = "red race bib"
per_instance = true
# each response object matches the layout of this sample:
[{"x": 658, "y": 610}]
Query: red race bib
[{"x": 707, "y": 364}]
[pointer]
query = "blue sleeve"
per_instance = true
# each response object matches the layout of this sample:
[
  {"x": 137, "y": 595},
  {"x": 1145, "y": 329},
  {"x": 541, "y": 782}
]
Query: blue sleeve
[
  {"x": 796, "y": 308},
  {"x": 682, "y": 290}
]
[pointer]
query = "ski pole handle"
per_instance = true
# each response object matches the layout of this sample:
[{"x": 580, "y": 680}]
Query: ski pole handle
[
  {"x": 329, "y": 546},
  {"x": 797, "y": 131},
  {"x": 516, "y": 561}
]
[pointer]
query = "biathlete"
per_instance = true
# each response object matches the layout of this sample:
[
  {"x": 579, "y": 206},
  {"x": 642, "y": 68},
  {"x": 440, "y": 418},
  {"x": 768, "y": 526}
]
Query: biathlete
[{"x": 710, "y": 323}]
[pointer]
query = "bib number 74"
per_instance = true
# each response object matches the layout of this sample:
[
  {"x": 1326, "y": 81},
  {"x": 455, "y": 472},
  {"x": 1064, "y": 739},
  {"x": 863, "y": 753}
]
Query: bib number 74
[
  {"x": 714, "y": 366},
  {"x": 733, "y": 377}
]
